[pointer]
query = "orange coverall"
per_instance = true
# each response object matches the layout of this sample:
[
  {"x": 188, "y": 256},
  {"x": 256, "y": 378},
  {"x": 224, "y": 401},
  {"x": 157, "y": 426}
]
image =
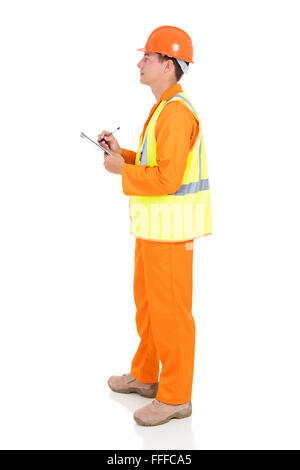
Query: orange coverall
[{"x": 163, "y": 272}]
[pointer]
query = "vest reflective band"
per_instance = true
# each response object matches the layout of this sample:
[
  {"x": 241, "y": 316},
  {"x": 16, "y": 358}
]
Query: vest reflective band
[{"x": 179, "y": 216}]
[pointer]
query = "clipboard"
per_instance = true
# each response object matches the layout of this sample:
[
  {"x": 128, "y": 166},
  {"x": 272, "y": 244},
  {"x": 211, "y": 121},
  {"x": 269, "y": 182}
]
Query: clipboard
[{"x": 84, "y": 136}]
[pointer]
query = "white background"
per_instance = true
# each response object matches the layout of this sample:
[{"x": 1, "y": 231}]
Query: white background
[{"x": 67, "y": 258}]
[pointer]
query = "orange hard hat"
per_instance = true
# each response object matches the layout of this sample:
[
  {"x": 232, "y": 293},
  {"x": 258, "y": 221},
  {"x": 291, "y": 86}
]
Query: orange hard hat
[{"x": 170, "y": 41}]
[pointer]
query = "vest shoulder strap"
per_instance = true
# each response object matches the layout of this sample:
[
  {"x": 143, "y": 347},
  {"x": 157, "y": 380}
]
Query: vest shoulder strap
[{"x": 185, "y": 100}]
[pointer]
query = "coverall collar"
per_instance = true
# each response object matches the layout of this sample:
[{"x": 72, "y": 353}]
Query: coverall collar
[{"x": 171, "y": 91}]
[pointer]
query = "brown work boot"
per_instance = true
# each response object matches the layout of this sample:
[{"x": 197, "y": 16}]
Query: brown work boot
[
  {"x": 157, "y": 412},
  {"x": 126, "y": 383}
]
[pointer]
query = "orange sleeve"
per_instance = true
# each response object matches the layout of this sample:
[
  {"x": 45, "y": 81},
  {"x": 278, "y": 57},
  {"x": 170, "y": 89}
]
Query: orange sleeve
[
  {"x": 176, "y": 132},
  {"x": 129, "y": 156}
]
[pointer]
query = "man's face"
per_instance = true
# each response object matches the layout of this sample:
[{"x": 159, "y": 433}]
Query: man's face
[{"x": 151, "y": 70}]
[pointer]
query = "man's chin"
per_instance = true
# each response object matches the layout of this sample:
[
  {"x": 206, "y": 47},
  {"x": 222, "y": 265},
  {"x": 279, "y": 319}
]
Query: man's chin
[{"x": 142, "y": 80}]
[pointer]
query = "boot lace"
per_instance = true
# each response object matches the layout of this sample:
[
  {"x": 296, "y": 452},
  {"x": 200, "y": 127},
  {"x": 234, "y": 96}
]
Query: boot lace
[{"x": 157, "y": 403}]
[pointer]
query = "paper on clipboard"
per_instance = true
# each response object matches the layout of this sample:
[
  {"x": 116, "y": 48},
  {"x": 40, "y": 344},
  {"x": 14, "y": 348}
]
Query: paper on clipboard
[{"x": 96, "y": 143}]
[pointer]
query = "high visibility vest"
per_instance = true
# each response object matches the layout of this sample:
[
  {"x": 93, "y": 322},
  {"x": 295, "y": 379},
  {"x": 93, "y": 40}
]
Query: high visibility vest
[{"x": 179, "y": 216}]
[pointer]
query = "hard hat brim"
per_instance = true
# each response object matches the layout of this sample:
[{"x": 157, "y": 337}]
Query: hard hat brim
[{"x": 147, "y": 50}]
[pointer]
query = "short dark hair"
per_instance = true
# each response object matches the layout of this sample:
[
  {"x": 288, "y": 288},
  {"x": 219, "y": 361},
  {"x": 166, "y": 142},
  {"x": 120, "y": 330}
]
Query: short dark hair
[{"x": 178, "y": 69}]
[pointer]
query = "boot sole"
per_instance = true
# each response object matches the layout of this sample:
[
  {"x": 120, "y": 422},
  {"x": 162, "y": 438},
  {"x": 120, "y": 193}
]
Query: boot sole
[
  {"x": 136, "y": 390},
  {"x": 178, "y": 415}
]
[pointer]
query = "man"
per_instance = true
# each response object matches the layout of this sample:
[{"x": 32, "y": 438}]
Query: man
[{"x": 167, "y": 182}]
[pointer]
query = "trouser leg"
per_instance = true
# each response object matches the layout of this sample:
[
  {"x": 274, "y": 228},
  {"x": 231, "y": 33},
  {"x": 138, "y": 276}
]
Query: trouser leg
[
  {"x": 145, "y": 364},
  {"x": 169, "y": 283}
]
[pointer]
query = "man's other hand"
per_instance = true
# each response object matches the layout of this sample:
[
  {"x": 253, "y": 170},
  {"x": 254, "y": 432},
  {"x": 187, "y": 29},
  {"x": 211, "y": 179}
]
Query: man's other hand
[{"x": 114, "y": 163}]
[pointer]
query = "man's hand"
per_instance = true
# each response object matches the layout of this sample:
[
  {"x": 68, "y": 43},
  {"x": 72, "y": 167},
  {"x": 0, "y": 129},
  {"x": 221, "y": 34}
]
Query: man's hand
[
  {"x": 114, "y": 163},
  {"x": 109, "y": 142}
]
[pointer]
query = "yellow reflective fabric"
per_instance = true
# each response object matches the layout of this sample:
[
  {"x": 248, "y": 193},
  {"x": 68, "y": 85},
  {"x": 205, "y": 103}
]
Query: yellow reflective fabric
[{"x": 185, "y": 214}]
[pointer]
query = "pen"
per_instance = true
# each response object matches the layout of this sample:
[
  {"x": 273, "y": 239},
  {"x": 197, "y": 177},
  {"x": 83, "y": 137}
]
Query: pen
[{"x": 107, "y": 135}]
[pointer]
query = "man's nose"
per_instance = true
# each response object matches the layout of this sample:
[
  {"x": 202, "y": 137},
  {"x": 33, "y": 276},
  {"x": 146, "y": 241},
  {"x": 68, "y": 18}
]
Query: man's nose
[{"x": 140, "y": 64}]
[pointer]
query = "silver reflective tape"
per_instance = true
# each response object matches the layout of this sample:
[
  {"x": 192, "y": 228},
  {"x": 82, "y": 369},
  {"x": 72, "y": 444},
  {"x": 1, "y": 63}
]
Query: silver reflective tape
[
  {"x": 187, "y": 101},
  {"x": 143, "y": 160},
  {"x": 200, "y": 158},
  {"x": 191, "y": 188}
]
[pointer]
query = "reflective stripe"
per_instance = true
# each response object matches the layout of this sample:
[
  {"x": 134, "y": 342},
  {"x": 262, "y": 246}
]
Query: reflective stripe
[
  {"x": 187, "y": 101},
  {"x": 200, "y": 145},
  {"x": 143, "y": 159},
  {"x": 191, "y": 188}
]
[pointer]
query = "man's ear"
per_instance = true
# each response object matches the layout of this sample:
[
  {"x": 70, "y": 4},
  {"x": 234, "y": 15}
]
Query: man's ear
[{"x": 170, "y": 65}]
